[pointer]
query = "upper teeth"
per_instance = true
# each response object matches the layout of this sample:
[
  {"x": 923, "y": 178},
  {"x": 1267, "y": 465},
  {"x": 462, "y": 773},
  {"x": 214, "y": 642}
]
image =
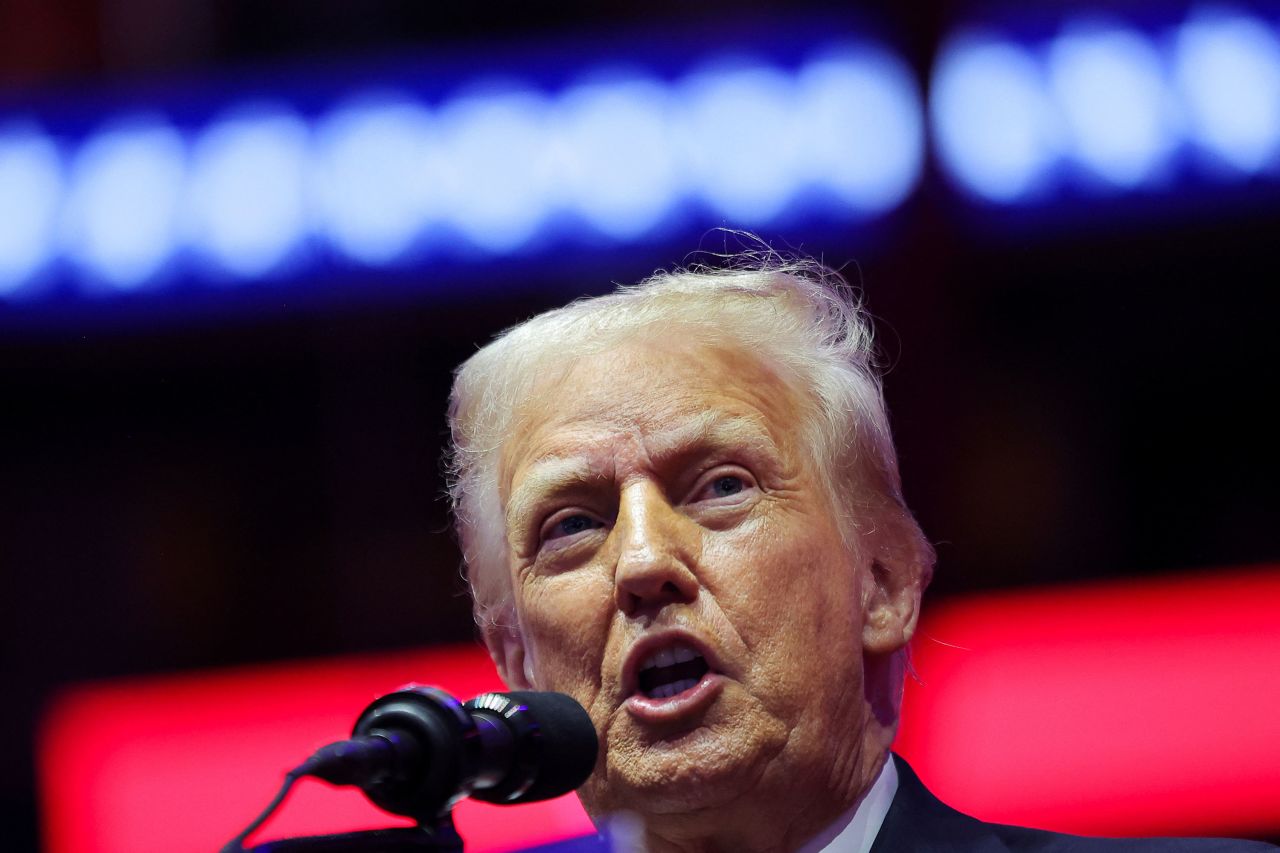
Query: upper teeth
[{"x": 670, "y": 656}]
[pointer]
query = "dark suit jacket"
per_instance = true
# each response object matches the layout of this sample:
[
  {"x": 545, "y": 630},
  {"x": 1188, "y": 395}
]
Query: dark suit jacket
[{"x": 918, "y": 822}]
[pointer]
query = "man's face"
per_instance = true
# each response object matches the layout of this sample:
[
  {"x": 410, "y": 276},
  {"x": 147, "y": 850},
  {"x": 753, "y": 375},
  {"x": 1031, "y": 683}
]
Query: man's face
[{"x": 678, "y": 568}]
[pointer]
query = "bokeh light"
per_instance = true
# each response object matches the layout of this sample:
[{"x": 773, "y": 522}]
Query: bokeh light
[
  {"x": 31, "y": 175},
  {"x": 248, "y": 201},
  {"x": 120, "y": 220},
  {"x": 993, "y": 122}
]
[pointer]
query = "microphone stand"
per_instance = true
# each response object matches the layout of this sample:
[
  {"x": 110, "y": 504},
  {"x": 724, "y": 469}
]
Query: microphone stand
[
  {"x": 438, "y": 835},
  {"x": 442, "y": 837}
]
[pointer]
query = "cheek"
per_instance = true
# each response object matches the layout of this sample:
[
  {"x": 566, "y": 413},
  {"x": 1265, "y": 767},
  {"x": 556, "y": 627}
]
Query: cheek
[
  {"x": 565, "y": 620},
  {"x": 794, "y": 603}
]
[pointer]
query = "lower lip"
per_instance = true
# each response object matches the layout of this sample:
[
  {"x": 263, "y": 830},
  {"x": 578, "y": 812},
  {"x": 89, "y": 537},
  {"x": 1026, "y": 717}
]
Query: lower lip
[{"x": 672, "y": 708}]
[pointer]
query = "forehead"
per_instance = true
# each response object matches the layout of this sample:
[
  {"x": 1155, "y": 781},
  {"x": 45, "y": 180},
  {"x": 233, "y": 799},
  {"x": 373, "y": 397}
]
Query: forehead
[{"x": 660, "y": 396}]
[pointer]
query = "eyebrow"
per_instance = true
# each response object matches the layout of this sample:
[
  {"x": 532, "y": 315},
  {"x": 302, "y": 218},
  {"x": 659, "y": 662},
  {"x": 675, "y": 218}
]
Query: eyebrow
[
  {"x": 549, "y": 475},
  {"x": 563, "y": 470}
]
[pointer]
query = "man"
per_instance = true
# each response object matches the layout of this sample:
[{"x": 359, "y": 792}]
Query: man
[{"x": 680, "y": 505}]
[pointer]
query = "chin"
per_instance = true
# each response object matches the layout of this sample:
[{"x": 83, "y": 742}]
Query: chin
[{"x": 702, "y": 768}]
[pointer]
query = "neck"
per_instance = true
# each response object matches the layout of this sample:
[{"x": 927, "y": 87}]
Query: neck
[{"x": 777, "y": 816}]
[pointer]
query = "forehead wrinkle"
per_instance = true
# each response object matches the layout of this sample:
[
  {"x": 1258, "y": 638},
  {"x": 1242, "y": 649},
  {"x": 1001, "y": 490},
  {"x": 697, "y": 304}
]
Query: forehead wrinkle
[
  {"x": 649, "y": 445},
  {"x": 711, "y": 429}
]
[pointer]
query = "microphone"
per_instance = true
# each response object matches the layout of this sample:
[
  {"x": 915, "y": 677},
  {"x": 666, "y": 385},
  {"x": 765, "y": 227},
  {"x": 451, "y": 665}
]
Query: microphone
[{"x": 418, "y": 751}]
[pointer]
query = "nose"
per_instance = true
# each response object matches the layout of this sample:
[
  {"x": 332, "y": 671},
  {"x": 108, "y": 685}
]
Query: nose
[{"x": 657, "y": 559}]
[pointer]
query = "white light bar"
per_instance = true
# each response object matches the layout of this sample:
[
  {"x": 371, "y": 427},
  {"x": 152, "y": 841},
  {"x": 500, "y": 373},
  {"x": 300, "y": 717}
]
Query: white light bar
[
  {"x": 384, "y": 178},
  {"x": 1107, "y": 108}
]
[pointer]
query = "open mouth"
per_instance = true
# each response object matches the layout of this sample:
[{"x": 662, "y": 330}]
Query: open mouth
[{"x": 670, "y": 671}]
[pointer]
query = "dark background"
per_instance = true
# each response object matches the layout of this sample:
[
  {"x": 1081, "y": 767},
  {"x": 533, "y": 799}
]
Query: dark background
[{"x": 1079, "y": 398}]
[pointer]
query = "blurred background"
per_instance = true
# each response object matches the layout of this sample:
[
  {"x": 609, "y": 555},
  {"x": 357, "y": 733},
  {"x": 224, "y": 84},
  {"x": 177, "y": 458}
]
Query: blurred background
[{"x": 243, "y": 245}]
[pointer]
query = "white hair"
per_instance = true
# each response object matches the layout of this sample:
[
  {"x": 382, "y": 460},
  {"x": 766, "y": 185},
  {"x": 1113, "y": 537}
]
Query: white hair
[{"x": 795, "y": 315}]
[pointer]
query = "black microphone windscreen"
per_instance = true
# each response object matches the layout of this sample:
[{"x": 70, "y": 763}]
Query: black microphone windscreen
[{"x": 568, "y": 744}]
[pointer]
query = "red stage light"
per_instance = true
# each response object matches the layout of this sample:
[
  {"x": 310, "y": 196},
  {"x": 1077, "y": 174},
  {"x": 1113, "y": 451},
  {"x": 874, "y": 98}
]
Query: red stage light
[
  {"x": 1136, "y": 708},
  {"x": 184, "y": 763},
  {"x": 1125, "y": 708}
]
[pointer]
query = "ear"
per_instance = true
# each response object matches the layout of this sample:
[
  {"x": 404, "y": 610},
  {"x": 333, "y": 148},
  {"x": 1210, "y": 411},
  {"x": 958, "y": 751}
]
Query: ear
[
  {"x": 895, "y": 574},
  {"x": 507, "y": 648}
]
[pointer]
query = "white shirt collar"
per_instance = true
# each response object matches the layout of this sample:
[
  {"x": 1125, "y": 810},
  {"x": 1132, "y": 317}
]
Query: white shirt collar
[{"x": 855, "y": 830}]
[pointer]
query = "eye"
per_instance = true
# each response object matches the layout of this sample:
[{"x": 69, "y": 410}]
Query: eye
[
  {"x": 723, "y": 484},
  {"x": 723, "y": 487},
  {"x": 569, "y": 525}
]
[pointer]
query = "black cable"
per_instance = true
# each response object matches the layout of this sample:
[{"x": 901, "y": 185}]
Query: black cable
[{"x": 236, "y": 845}]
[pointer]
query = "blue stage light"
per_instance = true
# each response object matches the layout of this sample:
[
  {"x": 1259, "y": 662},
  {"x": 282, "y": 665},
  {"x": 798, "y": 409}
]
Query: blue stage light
[
  {"x": 741, "y": 142},
  {"x": 862, "y": 129},
  {"x": 1102, "y": 101},
  {"x": 1227, "y": 68},
  {"x": 614, "y": 154},
  {"x": 1108, "y": 86},
  {"x": 247, "y": 204},
  {"x": 497, "y": 182},
  {"x": 31, "y": 178},
  {"x": 122, "y": 207},
  {"x": 374, "y": 176},
  {"x": 994, "y": 125},
  {"x": 381, "y": 177}
]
